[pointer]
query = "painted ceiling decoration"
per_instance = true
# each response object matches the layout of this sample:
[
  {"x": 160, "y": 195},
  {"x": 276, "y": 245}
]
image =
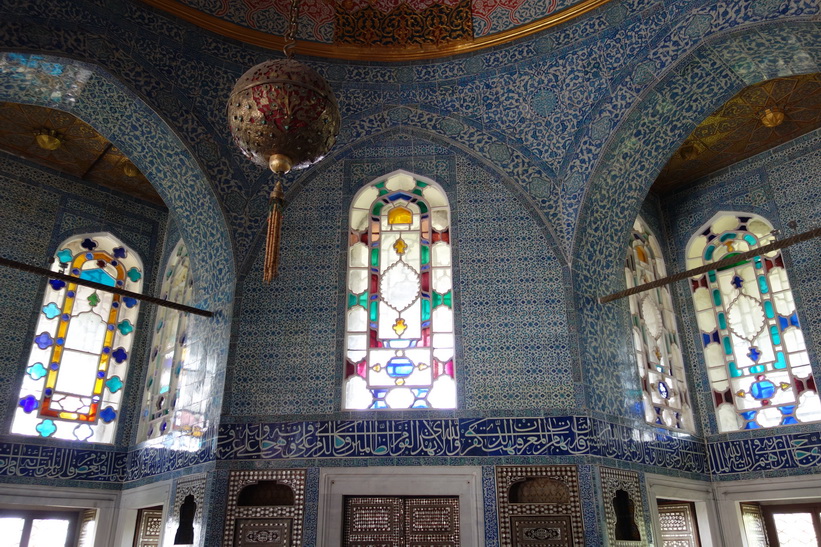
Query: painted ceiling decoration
[
  {"x": 63, "y": 142},
  {"x": 757, "y": 118},
  {"x": 380, "y": 30}
]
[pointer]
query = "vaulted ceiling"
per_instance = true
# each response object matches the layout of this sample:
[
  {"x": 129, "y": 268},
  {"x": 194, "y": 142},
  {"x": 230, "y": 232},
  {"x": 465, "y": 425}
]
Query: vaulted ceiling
[
  {"x": 79, "y": 149},
  {"x": 737, "y": 131}
]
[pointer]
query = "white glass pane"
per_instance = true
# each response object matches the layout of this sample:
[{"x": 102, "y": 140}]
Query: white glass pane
[
  {"x": 442, "y": 281},
  {"x": 11, "y": 530},
  {"x": 86, "y": 332},
  {"x": 440, "y": 254},
  {"x": 439, "y": 220},
  {"x": 78, "y": 372},
  {"x": 48, "y": 533},
  {"x": 434, "y": 197},
  {"x": 366, "y": 197},
  {"x": 357, "y": 280},
  {"x": 795, "y": 529},
  {"x": 759, "y": 227},
  {"x": 400, "y": 181},
  {"x": 358, "y": 255},
  {"x": 724, "y": 223},
  {"x": 357, "y": 319}
]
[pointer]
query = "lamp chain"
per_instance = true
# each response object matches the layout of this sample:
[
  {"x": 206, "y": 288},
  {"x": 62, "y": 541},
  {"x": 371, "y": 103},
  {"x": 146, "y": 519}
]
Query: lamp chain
[{"x": 290, "y": 35}]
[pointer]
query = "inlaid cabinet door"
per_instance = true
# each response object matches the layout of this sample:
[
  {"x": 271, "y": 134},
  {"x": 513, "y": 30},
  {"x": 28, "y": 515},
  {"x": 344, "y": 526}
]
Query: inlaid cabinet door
[
  {"x": 377, "y": 521},
  {"x": 149, "y": 525}
]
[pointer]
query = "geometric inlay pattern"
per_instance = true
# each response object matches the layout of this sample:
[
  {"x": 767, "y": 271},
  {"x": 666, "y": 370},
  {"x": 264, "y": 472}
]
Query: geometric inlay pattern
[
  {"x": 624, "y": 521},
  {"x": 557, "y": 520},
  {"x": 270, "y": 525}
]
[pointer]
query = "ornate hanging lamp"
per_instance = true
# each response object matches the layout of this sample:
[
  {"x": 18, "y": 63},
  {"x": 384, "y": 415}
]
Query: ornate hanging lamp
[{"x": 283, "y": 115}]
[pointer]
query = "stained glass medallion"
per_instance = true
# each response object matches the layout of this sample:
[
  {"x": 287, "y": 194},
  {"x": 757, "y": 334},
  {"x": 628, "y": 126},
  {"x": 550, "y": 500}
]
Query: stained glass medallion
[
  {"x": 399, "y": 327},
  {"x": 757, "y": 361},
  {"x": 166, "y": 407},
  {"x": 75, "y": 374},
  {"x": 655, "y": 336}
]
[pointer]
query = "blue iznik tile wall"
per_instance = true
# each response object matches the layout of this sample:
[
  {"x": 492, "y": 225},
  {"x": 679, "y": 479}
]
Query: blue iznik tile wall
[
  {"x": 781, "y": 185},
  {"x": 40, "y": 208},
  {"x": 546, "y": 147}
]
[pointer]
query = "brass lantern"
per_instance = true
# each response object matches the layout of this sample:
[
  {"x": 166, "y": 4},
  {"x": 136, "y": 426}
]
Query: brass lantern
[{"x": 283, "y": 115}]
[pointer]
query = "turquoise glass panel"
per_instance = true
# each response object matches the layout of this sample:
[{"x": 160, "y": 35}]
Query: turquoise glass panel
[
  {"x": 750, "y": 239},
  {"x": 722, "y": 321},
  {"x": 775, "y": 336},
  {"x": 763, "y": 286},
  {"x": 768, "y": 309},
  {"x": 708, "y": 253},
  {"x": 711, "y": 275},
  {"x": 728, "y": 346},
  {"x": 726, "y": 237},
  {"x": 716, "y": 297},
  {"x": 780, "y": 362},
  {"x": 757, "y": 262},
  {"x": 734, "y": 372}
]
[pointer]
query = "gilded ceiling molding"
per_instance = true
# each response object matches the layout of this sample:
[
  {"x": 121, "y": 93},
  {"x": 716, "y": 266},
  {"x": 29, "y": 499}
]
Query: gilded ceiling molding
[{"x": 358, "y": 53}]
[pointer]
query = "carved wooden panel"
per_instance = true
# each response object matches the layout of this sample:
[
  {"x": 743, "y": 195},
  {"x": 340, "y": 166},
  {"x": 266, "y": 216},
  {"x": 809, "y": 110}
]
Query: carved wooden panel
[
  {"x": 149, "y": 525},
  {"x": 677, "y": 525},
  {"x": 401, "y": 522},
  {"x": 263, "y": 533},
  {"x": 539, "y": 505},
  {"x": 623, "y": 507}
]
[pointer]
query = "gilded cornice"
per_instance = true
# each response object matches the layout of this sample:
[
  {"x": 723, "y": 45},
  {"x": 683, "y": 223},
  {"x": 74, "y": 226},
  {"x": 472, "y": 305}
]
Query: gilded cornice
[{"x": 357, "y": 53}]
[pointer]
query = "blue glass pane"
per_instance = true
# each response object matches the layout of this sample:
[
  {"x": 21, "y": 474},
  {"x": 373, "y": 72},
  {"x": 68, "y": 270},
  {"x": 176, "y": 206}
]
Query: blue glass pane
[
  {"x": 98, "y": 276},
  {"x": 763, "y": 389}
]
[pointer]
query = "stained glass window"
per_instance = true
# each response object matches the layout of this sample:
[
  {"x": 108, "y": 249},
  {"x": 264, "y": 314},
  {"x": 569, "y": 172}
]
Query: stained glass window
[
  {"x": 399, "y": 340},
  {"x": 655, "y": 336},
  {"x": 753, "y": 345},
  {"x": 168, "y": 359},
  {"x": 74, "y": 379}
]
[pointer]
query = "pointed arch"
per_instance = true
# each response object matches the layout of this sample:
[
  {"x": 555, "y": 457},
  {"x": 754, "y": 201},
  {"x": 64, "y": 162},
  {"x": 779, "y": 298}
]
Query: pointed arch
[
  {"x": 78, "y": 363},
  {"x": 399, "y": 340},
  {"x": 750, "y": 333},
  {"x": 655, "y": 336}
]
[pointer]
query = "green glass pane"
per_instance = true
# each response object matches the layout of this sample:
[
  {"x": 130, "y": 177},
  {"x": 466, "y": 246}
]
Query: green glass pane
[
  {"x": 728, "y": 346},
  {"x": 758, "y": 369},
  {"x": 423, "y": 208},
  {"x": 351, "y": 300},
  {"x": 768, "y": 309},
  {"x": 380, "y": 184},
  {"x": 725, "y": 237},
  {"x": 425, "y": 252},
  {"x": 383, "y": 192},
  {"x": 363, "y": 299},
  {"x": 722, "y": 321},
  {"x": 716, "y": 297},
  {"x": 775, "y": 336},
  {"x": 780, "y": 362},
  {"x": 749, "y": 239},
  {"x": 762, "y": 284},
  {"x": 446, "y": 299},
  {"x": 377, "y": 208},
  {"x": 375, "y": 257},
  {"x": 426, "y": 309},
  {"x": 421, "y": 184},
  {"x": 417, "y": 191},
  {"x": 374, "y": 311},
  {"x": 711, "y": 275},
  {"x": 734, "y": 372}
]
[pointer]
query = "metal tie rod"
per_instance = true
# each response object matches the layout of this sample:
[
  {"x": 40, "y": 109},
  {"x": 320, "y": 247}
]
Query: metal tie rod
[
  {"x": 727, "y": 261},
  {"x": 99, "y": 286}
]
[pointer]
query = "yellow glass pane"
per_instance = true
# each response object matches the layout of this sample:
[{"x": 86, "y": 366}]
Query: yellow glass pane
[{"x": 400, "y": 215}]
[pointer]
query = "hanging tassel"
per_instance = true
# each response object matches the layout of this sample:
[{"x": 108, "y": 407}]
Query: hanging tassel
[{"x": 275, "y": 207}]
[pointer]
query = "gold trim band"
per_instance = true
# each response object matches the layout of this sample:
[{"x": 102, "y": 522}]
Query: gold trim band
[{"x": 356, "y": 53}]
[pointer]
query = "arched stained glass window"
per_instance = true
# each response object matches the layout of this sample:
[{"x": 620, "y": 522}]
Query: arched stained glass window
[
  {"x": 399, "y": 344},
  {"x": 168, "y": 360},
  {"x": 753, "y": 345},
  {"x": 76, "y": 371},
  {"x": 655, "y": 336}
]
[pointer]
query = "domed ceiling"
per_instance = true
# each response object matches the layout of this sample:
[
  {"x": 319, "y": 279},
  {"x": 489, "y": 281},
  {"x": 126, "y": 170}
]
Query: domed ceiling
[
  {"x": 65, "y": 143},
  {"x": 757, "y": 118},
  {"x": 382, "y": 30}
]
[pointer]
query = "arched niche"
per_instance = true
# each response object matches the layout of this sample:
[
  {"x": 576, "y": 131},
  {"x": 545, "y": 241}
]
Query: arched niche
[
  {"x": 265, "y": 494},
  {"x": 539, "y": 490},
  {"x": 96, "y": 97}
]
